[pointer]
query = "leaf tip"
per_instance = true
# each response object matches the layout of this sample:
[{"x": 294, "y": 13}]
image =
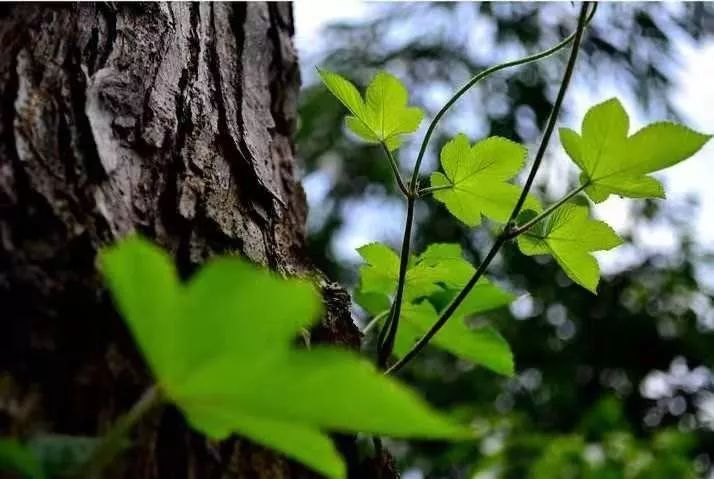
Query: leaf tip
[{"x": 592, "y": 287}]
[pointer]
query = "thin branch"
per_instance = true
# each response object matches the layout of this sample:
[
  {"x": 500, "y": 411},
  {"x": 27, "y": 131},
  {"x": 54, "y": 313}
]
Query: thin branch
[
  {"x": 502, "y": 238},
  {"x": 395, "y": 170},
  {"x": 374, "y": 322},
  {"x": 111, "y": 442},
  {"x": 385, "y": 347},
  {"x": 550, "y": 125}
]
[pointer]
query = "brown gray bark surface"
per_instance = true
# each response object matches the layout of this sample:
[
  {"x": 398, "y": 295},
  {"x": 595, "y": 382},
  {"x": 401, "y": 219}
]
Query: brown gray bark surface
[{"x": 173, "y": 120}]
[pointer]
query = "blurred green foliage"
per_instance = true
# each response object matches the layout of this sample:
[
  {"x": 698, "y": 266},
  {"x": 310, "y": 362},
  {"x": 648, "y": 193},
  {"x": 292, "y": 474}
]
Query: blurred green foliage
[{"x": 610, "y": 386}]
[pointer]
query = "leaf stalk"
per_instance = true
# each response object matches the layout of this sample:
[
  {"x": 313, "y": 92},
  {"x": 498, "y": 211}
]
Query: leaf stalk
[
  {"x": 395, "y": 169},
  {"x": 111, "y": 442}
]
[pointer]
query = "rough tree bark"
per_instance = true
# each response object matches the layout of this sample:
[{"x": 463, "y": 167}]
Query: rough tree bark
[{"x": 174, "y": 120}]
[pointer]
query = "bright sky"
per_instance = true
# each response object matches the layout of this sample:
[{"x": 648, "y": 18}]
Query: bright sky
[{"x": 692, "y": 93}]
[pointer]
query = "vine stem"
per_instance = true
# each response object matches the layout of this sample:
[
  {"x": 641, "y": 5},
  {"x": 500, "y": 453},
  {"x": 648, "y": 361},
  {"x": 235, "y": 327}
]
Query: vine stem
[
  {"x": 388, "y": 333},
  {"x": 374, "y": 322},
  {"x": 550, "y": 125},
  {"x": 395, "y": 170},
  {"x": 111, "y": 442},
  {"x": 509, "y": 231},
  {"x": 386, "y": 346}
]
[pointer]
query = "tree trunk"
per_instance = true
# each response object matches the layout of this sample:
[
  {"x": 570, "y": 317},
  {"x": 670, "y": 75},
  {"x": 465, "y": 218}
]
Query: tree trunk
[{"x": 173, "y": 120}]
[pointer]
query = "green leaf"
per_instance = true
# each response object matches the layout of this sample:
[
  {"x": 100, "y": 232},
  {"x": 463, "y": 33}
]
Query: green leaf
[
  {"x": 303, "y": 443},
  {"x": 19, "y": 459},
  {"x": 440, "y": 265},
  {"x": 380, "y": 272},
  {"x": 128, "y": 269},
  {"x": 223, "y": 351},
  {"x": 383, "y": 115},
  {"x": 475, "y": 179},
  {"x": 482, "y": 345},
  {"x": 613, "y": 163},
  {"x": 444, "y": 263},
  {"x": 570, "y": 236},
  {"x": 373, "y": 303},
  {"x": 438, "y": 273},
  {"x": 483, "y": 297},
  {"x": 326, "y": 388}
]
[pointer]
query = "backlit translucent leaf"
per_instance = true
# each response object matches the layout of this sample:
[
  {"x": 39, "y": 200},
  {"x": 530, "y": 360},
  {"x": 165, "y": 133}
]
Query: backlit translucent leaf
[
  {"x": 318, "y": 387},
  {"x": 483, "y": 297},
  {"x": 476, "y": 178},
  {"x": 613, "y": 163},
  {"x": 383, "y": 115},
  {"x": 447, "y": 263},
  {"x": 481, "y": 345},
  {"x": 440, "y": 265},
  {"x": 381, "y": 269},
  {"x": 438, "y": 273},
  {"x": 570, "y": 236},
  {"x": 225, "y": 354}
]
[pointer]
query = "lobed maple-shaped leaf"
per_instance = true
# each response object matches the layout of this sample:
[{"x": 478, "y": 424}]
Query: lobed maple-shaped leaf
[
  {"x": 438, "y": 273},
  {"x": 614, "y": 163},
  {"x": 475, "y": 179},
  {"x": 383, "y": 115},
  {"x": 222, "y": 350},
  {"x": 570, "y": 236},
  {"x": 439, "y": 264}
]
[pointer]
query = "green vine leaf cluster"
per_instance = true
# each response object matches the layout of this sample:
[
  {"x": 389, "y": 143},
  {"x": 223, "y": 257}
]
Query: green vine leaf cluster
[
  {"x": 223, "y": 351},
  {"x": 433, "y": 278},
  {"x": 477, "y": 181}
]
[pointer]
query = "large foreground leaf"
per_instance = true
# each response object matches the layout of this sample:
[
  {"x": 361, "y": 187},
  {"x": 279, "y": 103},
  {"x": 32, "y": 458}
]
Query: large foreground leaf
[{"x": 222, "y": 349}]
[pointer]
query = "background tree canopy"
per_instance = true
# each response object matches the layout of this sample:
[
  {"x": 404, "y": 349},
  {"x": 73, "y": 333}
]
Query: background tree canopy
[{"x": 617, "y": 385}]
